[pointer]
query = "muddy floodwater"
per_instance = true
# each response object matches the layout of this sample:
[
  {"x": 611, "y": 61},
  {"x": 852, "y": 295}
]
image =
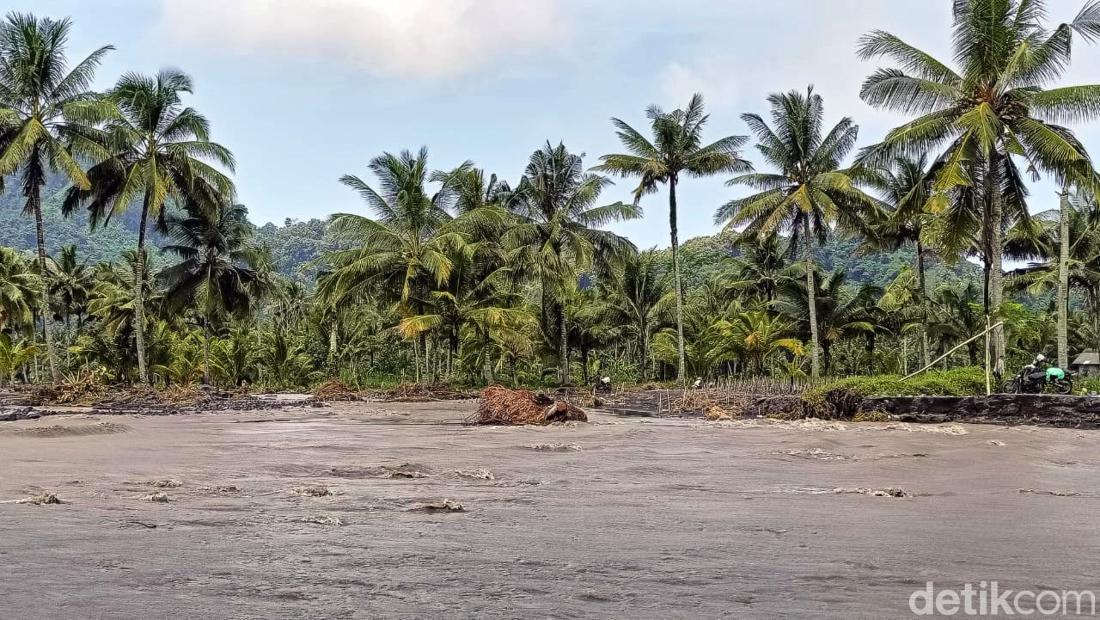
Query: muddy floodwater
[{"x": 384, "y": 510}]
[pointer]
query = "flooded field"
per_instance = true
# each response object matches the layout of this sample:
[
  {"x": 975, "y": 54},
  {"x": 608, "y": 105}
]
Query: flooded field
[{"x": 381, "y": 510}]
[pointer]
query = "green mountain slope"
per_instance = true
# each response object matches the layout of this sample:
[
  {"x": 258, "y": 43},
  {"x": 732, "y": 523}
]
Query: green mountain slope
[
  {"x": 295, "y": 245},
  {"x": 17, "y": 230}
]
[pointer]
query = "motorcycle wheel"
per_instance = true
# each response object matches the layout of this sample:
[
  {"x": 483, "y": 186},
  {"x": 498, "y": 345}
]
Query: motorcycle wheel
[
  {"x": 1064, "y": 386},
  {"x": 1010, "y": 387}
]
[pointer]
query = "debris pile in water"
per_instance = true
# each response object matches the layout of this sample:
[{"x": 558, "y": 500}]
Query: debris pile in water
[{"x": 504, "y": 407}]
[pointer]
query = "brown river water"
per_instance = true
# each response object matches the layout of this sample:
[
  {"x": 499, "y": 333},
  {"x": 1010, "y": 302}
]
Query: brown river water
[{"x": 343, "y": 513}]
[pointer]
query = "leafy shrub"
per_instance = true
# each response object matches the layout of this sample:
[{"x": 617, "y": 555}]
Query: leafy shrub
[
  {"x": 1086, "y": 385},
  {"x": 956, "y": 382}
]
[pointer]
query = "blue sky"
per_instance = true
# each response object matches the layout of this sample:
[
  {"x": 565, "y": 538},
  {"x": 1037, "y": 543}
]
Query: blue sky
[{"x": 304, "y": 91}]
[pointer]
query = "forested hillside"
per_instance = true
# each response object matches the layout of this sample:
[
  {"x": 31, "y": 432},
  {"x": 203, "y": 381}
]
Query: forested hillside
[
  {"x": 17, "y": 231},
  {"x": 295, "y": 245}
]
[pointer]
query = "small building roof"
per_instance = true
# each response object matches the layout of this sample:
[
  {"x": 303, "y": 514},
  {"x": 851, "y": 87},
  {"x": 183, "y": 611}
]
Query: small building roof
[{"x": 1087, "y": 358}]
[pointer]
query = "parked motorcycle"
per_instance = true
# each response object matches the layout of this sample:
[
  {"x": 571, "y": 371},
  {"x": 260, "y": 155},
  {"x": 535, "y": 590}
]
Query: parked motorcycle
[{"x": 1035, "y": 379}]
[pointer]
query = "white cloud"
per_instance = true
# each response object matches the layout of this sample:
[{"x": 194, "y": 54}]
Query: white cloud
[
  {"x": 426, "y": 39},
  {"x": 816, "y": 44},
  {"x": 710, "y": 74}
]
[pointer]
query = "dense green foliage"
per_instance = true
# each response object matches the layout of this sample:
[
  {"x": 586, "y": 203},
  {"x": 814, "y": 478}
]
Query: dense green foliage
[
  {"x": 965, "y": 381},
  {"x": 833, "y": 260}
]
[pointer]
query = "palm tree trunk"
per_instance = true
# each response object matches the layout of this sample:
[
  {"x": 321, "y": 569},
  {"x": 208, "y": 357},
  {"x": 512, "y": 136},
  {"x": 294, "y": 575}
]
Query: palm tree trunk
[
  {"x": 333, "y": 368},
  {"x": 1095, "y": 296},
  {"x": 996, "y": 271},
  {"x": 34, "y": 343},
  {"x": 206, "y": 351},
  {"x": 811, "y": 304},
  {"x": 453, "y": 351},
  {"x": 68, "y": 337},
  {"x": 871, "y": 353},
  {"x": 34, "y": 198},
  {"x": 905, "y": 355},
  {"x": 487, "y": 362},
  {"x": 676, "y": 276},
  {"x": 563, "y": 361},
  {"x": 923, "y": 304},
  {"x": 1063, "y": 279},
  {"x": 206, "y": 323},
  {"x": 139, "y": 293},
  {"x": 424, "y": 349}
]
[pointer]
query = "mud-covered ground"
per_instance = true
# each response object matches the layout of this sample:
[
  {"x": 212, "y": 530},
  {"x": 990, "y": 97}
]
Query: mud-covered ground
[{"x": 341, "y": 513}]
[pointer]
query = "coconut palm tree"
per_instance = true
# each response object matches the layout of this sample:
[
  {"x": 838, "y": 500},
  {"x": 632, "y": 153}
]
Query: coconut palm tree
[
  {"x": 404, "y": 252},
  {"x": 111, "y": 309},
  {"x": 70, "y": 281},
  {"x": 482, "y": 283},
  {"x": 994, "y": 107},
  {"x": 14, "y": 354},
  {"x": 160, "y": 152},
  {"x": 480, "y": 294},
  {"x": 957, "y": 317},
  {"x": 20, "y": 290},
  {"x": 754, "y": 337},
  {"x": 676, "y": 150},
  {"x": 760, "y": 269},
  {"x": 1076, "y": 263},
  {"x": 1070, "y": 211},
  {"x": 808, "y": 193},
  {"x": 839, "y": 312},
  {"x": 46, "y": 113},
  {"x": 215, "y": 274},
  {"x": 904, "y": 187},
  {"x": 636, "y": 296},
  {"x": 557, "y": 231}
]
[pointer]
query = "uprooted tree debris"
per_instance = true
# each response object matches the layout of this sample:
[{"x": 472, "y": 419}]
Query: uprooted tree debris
[
  {"x": 335, "y": 390},
  {"x": 503, "y": 407}
]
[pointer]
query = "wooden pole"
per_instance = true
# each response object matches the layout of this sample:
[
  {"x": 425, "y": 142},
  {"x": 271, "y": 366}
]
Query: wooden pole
[
  {"x": 957, "y": 347},
  {"x": 989, "y": 388}
]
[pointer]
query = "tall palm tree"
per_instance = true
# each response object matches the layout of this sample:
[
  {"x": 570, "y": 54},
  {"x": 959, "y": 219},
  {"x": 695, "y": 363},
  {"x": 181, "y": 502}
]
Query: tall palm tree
[
  {"x": 404, "y": 251},
  {"x": 70, "y": 281},
  {"x": 482, "y": 291},
  {"x": 676, "y": 149},
  {"x": 1063, "y": 276},
  {"x": 1071, "y": 210},
  {"x": 636, "y": 296},
  {"x": 905, "y": 188},
  {"x": 111, "y": 307},
  {"x": 1065, "y": 266},
  {"x": 958, "y": 316},
  {"x": 995, "y": 107},
  {"x": 557, "y": 232},
  {"x": 215, "y": 273},
  {"x": 753, "y": 337},
  {"x": 808, "y": 193},
  {"x": 760, "y": 269},
  {"x": 46, "y": 110},
  {"x": 160, "y": 151},
  {"x": 838, "y": 311},
  {"x": 20, "y": 290}
]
